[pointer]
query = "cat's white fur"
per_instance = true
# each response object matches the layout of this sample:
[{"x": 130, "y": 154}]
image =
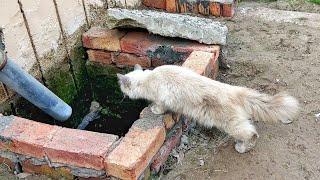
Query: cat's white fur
[{"x": 210, "y": 103}]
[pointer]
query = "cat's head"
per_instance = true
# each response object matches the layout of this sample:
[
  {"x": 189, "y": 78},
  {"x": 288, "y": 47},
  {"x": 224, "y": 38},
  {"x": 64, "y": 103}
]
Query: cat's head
[{"x": 131, "y": 83}]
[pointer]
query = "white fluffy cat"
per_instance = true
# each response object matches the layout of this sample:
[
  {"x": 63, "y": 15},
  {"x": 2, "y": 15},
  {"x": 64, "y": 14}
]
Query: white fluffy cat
[{"x": 210, "y": 103}]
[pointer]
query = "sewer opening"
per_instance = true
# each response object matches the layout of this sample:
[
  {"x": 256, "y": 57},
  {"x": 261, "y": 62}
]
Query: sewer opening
[
  {"x": 117, "y": 114},
  {"x": 100, "y": 84}
]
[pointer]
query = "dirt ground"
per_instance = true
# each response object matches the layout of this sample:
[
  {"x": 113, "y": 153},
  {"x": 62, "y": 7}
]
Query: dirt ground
[
  {"x": 270, "y": 56},
  {"x": 290, "y": 5}
]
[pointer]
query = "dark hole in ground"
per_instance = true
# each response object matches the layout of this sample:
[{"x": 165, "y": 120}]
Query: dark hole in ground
[{"x": 102, "y": 86}]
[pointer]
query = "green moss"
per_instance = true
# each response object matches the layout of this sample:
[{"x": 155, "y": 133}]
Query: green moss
[
  {"x": 315, "y": 1},
  {"x": 96, "y": 69},
  {"x": 104, "y": 81},
  {"x": 60, "y": 82},
  {"x": 78, "y": 58},
  {"x": 106, "y": 90}
]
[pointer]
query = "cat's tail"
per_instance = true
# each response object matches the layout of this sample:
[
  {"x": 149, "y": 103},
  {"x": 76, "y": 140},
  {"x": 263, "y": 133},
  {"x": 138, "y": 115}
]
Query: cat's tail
[{"x": 281, "y": 107}]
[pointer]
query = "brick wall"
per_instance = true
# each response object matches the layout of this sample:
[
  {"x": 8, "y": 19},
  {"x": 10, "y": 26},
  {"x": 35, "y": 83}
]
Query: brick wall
[
  {"x": 123, "y": 49},
  {"x": 224, "y": 8}
]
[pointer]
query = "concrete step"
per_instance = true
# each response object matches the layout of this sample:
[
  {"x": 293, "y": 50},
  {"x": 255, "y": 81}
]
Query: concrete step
[{"x": 203, "y": 30}]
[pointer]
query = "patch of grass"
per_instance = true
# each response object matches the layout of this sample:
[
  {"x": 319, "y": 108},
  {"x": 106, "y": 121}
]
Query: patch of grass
[{"x": 315, "y": 1}]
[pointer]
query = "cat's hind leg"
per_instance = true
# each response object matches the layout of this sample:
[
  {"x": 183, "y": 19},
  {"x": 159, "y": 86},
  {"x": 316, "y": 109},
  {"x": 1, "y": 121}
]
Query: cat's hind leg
[
  {"x": 156, "y": 108},
  {"x": 244, "y": 133}
]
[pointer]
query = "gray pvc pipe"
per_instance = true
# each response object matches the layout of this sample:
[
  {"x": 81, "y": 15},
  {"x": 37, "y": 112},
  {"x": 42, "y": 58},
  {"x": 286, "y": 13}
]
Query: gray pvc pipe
[{"x": 28, "y": 87}]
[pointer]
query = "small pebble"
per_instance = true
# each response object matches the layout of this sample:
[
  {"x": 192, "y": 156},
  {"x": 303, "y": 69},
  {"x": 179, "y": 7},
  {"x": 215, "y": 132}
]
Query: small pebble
[
  {"x": 184, "y": 139},
  {"x": 201, "y": 162},
  {"x": 23, "y": 175},
  {"x": 317, "y": 117}
]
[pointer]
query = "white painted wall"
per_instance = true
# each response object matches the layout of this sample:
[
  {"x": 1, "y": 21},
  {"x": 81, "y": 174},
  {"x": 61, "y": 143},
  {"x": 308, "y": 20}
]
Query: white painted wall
[
  {"x": 44, "y": 28},
  {"x": 16, "y": 37}
]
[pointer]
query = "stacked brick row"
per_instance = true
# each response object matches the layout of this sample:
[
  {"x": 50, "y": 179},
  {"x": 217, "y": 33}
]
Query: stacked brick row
[
  {"x": 123, "y": 49},
  {"x": 224, "y": 8}
]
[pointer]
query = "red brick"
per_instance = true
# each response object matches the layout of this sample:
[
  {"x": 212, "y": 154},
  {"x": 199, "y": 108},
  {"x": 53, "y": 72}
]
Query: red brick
[
  {"x": 27, "y": 137},
  {"x": 100, "y": 56},
  {"x": 215, "y": 9},
  {"x": 55, "y": 173},
  {"x": 79, "y": 148},
  {"x": 201, "y": 62},
  {"x": 161, "y": 4},
  {"x": 124, "y": 59},
  {"x": 145, "y": 44},
  {"x": 228, "y": 10},
  {"x": 164, "y": 152},
  {"x": 140, "y": 43},
  {"x": 131, "y": 157},
  {"x": 102, "y": 38},
  {"x": 194, "y": 46},
  {"x": 171, "y": 5}
]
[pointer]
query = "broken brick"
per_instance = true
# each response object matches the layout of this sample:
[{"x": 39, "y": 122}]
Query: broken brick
[
  {"x": 171, "y": 6},
  {"x": 103, "y": 39},
  {"x": 228, "y": 10},
  {"x": 124, "y": 59},
  {"x": 26, "y": 137},
  {"x": 79, "y": 148},
  {"x": 160, "y": 4},
  {"x": 203, "y": 63},
  {"x": 134, "y": 153},
  {"x": 215, "y": 9}
]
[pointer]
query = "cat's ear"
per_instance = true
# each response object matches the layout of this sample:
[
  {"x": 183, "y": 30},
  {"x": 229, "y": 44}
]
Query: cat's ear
[
  {"x": 123, "y": 80},
  {"x": 137, "y": 67}
]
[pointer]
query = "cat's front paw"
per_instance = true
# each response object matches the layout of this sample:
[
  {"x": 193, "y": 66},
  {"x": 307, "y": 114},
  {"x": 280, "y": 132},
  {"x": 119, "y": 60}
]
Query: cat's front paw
[
  {"x": 156, "y": 109},
  {"x": 286, "y": 121},
  {"x": 240, "y": 147},
  {"x": 243, "y": 147}
]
